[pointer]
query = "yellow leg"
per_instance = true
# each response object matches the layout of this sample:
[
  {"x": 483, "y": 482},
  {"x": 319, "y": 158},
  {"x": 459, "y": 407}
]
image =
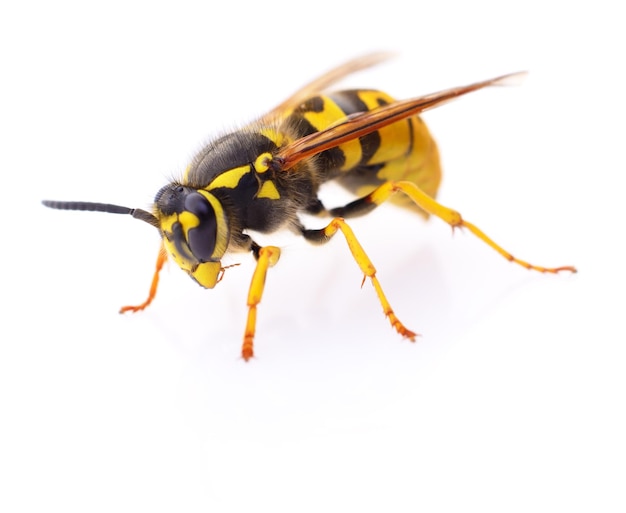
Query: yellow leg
[
  {"x": 161, "y": 259},
  {"x": 268, "y": 256},
  {"x": 452, "y": 217},
  {"x": 365, "y": 264}
]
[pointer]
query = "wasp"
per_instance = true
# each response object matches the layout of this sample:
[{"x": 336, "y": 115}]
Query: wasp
[{"x": 261, "y": 177}]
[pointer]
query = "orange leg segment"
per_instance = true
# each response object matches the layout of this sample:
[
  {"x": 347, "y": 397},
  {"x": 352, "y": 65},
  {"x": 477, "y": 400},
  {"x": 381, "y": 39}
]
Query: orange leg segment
[
  {"x": 268, "y": 256},
  {"x": 365, "y": 264},
  {"x": 452, "y": 217},
  {"x": 161, "y": 259}
]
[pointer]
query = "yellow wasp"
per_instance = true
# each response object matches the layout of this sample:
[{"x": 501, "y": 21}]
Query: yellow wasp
[{"x": 261, "y": 177}]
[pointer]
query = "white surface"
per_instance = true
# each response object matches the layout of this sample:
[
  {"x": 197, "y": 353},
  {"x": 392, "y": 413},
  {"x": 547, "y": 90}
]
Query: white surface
[{"x": 513, "y": 398}]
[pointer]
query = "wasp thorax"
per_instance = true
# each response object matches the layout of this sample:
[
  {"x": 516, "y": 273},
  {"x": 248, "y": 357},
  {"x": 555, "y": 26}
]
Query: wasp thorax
[{"x": 195, "y": 230}]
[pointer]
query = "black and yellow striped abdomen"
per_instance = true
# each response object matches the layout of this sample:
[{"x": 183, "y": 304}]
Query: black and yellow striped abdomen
[{"x": 404, "y": 150}]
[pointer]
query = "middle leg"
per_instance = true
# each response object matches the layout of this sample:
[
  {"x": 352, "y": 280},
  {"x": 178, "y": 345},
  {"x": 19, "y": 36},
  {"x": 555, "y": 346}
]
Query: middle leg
[{"x": 365, "y": 264}]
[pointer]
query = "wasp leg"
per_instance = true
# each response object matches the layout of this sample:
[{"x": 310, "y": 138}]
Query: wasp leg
[
  {"x": 452, "y": 217},
  {"x": 316, "y": 207},
  {"x": 365, "y": 264},
  {"x": 266, "y": 258},
  {"x": 161, "y": 259}
]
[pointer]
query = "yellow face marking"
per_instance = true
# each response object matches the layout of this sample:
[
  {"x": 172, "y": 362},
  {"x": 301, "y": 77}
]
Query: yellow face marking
[
  {"x": 268, "y": 190},
  {"x": 167, "y": 222},
  {"x": 188, "y": 221},
  {"x": 229, "y": 179},
  {"x": 206, "y": 274}
]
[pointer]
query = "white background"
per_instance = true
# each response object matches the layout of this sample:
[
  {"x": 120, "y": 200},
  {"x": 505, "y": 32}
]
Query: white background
[{"x": 511, "y": 400}]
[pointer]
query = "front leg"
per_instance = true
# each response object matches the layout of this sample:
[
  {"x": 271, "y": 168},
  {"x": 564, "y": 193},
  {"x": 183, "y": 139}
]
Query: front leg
[
  {"x": 266, "y": 258},
  {"x": 161, "y": 259}
]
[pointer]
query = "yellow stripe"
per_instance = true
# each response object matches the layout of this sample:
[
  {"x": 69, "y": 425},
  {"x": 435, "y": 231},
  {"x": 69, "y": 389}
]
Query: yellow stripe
[
  {"x": 261, "y": 164},
  {"x": 186, "y": 173},
  {"x": 268, "y": 190},
  {"x": 229, "y": 179},
  {"x": 273, "y": 135},
  {"x": 395, "y": 139},
  {"x": 167, "y": 222},
  {"x": 222, "y": 234},
  {"x": 373, "y": 99},
  {"x": 331, "y": 114},
  {"x": 188, "y": 221}
]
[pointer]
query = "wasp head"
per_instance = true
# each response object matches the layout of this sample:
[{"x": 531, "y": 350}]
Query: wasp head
[{"x": 195, "y": 230}]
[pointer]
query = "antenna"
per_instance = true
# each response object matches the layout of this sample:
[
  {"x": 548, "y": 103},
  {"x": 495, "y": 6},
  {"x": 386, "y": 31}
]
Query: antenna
[{"x": 108, "y": 208}]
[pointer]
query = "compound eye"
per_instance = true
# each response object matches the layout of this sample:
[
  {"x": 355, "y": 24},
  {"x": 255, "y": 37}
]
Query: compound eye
[{"x": 201, "y": 238}]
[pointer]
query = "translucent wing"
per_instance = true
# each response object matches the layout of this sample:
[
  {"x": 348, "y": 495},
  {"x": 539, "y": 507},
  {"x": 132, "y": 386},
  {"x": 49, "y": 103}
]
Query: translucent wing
[
  {"x": 360, "y": 124},
  {"x": 325, "y": 81}
]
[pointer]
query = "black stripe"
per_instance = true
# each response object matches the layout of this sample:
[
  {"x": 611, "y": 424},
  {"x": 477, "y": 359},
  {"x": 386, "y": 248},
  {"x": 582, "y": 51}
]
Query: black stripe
[
  {"x": 329, "y": 160},
  {"x": 410, "y": 121},
  {"x": 350, "y": 102}
]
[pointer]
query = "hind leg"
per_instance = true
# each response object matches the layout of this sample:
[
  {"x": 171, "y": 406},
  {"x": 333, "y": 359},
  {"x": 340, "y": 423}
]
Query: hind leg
[{"x": 431, "y": 206}]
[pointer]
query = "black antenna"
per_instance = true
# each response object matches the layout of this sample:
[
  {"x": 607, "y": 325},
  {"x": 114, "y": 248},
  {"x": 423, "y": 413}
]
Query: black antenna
[{"x": 137, "y": 213}]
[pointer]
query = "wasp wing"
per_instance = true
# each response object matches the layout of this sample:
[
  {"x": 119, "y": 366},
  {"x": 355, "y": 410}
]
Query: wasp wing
[
  {"x": 363, "y": 123},
  {"x": 325, "y": 81}
]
